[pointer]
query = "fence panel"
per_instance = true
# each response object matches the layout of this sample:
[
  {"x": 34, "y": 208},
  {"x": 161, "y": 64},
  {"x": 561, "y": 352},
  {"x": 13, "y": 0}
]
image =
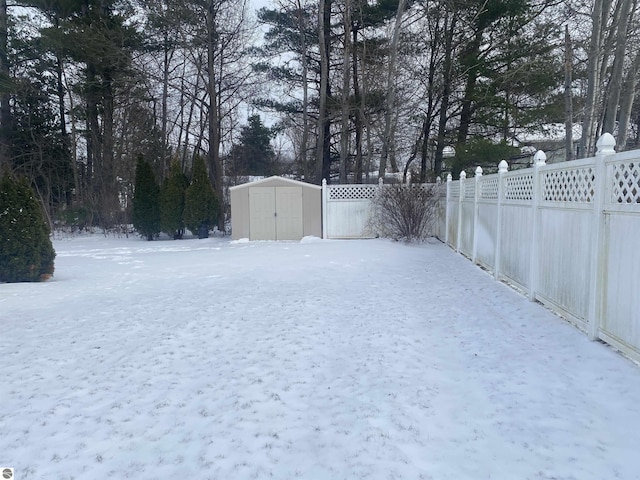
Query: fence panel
[
  {"x": 516, "y": 244},
  {"x": 487, "y": 223},
  {"x": 567, "y": 233},
  {"x": 440, "y": 223},
  {"x": 566, "y": 229},
  {"x": 564, "y": 260},
  {"x": 517, "y": 221},
  {"x": 468, "y": 214},
  {"x": 453, "y": 209},
  {"x": 620, "y": 324},
  {"x": 347, "y": 210}
]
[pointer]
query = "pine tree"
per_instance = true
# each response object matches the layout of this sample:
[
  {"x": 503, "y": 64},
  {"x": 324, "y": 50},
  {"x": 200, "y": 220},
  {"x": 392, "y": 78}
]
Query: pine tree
[
  {"x": 201, "y": 204},
  {"x": 254, "y": 154},
  {"x": 172, "y": 201},
  {"x": 26, "y": 252},
  {"x": 146, "y": 201}
]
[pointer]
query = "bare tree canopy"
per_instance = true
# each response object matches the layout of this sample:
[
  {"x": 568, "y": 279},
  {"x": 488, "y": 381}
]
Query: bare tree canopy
[{"x": 352, "y": 90}]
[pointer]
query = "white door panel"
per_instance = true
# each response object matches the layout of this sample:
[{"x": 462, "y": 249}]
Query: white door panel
[
  {"x": 289, "y": 222},
  {"x": 262, "y": 213}
]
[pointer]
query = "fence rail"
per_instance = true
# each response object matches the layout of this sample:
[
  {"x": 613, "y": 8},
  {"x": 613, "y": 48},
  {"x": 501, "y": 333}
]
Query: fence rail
[{"x": 567, "y": 234}]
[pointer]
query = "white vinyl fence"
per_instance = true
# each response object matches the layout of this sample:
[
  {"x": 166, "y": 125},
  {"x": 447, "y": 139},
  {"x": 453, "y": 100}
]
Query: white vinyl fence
[
  {"x": 568, "y": 234},
  {"x": 347, "y": 209}
]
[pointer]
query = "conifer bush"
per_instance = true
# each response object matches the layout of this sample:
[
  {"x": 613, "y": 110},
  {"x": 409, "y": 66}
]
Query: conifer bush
[
  {"x": 26, "y": 252},
  {"x": 146, "y": 201},
  {"x": 201, "y": 204},
  {"x": 172, "y": 198}
]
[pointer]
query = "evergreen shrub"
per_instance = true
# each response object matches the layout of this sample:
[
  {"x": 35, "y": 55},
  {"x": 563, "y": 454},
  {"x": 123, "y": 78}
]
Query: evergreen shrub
[
  {"x": 201, "y": 204},
  {"x": 172, "y": 201},
  {"x": 146, "y": 201},
  {"x": 26, "y": 251}
]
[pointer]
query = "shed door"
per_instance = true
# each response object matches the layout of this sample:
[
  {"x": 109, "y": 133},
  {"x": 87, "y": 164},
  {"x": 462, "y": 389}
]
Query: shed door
[
  {"x": 262, "y": 213},
  {"x": 289, "y": 223}
]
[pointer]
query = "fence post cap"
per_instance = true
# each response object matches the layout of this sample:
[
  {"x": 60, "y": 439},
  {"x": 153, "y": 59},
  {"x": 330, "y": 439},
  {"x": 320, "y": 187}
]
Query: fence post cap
[
  {"x": 479, "y": 171},
  {"x": 606, "y": 144},
  {"x": 438, "y": 180},
  {"x": 449, "y": 177},
  {"x": 540, "y": 158},
  {"x": 324, "y": 182},
  {"x": 503, "y": 167},
  {"x": 463, "y": 175}
]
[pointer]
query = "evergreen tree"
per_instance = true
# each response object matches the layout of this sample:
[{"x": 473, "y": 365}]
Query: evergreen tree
[
  {"x": 146, "y": 201},
  {"x": 481, "y": 152},
  {"x": 201, "y": 204},
  {"x": 26, "y": 252},
  {"x": 254, "y": 154},
  {"x": 38, "y": 150},
  {"x": 172, "y": 201}
]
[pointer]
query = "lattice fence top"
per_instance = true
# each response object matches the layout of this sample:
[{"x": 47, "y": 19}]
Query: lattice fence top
[
  {"x": 575, "y": 185},
  {"x": 626, "y": 183},
  {"x": 352, "y": 192},
  {"x": 489, "y": 188},
  {"x": 518, "y": 187},
  {"x": 470, "y": 190},
  {"x": 454, "y": 189}
]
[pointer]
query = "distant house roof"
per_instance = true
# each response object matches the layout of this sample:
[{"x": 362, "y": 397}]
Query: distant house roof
[{"x": 548, "y": 133}]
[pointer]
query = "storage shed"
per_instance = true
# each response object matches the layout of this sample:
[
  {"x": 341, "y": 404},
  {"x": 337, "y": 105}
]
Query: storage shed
[{"x": 276, "y": 208}]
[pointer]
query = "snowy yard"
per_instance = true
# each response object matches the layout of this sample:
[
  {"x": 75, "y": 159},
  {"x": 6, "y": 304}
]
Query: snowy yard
[{"x": 207, "y": 359}]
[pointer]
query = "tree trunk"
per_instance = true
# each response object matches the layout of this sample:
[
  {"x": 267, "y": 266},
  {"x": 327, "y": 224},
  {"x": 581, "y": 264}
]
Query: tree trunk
[
  {"x": 345, "y": 135},
  {"x": 626, "y": 102},
  {"x": 568, "y": 97},
  {"x": 358, "y": 111},
  {"x": 471, "y": 63},
  {"x": 79, "y": 186},
  {"x": 213, "y": 156},
  {"x": 107, "y": 181},
  {"x": 593, "y": 81},
  {"x": 446, "y": 93},
  {"x": 390, "y": 98},
  {"x": 616, "y": 77},
  {"x": 192, "y": 107},
  {"x": 323, "y": 154},
  {"x": 165, "y": 95},
  {"x": 5, "y": 109},
  {"x": 304, "y": 161},
  {"x": 431, "y": 102},
  {"x": 94, "y": 141}
]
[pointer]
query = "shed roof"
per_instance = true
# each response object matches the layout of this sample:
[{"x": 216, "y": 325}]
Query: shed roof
[{"x": 265, "y": 182}]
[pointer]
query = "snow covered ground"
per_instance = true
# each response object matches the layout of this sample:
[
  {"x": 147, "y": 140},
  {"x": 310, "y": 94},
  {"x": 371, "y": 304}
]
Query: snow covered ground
[{"x": 209, "y": 359}]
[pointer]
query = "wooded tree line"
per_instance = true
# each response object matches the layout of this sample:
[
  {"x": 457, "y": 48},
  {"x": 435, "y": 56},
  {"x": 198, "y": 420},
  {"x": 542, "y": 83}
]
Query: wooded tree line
[{"x": 351, "y": 89}]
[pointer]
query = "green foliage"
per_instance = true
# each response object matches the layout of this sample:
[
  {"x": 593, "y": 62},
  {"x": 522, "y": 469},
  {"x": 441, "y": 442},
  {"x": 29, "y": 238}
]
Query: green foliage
[
  {"x": 201, "y": 204},
  {"x": 39, "y": 150},
  {"x": 172, "y": 197},
  {"x": 26, "y": 252},
  {"x": 479, "y": 151},
  {"x": 254, "y": 154},
  {"x": 76, "y": 217},
  {"x": 146, "y": 201}
]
